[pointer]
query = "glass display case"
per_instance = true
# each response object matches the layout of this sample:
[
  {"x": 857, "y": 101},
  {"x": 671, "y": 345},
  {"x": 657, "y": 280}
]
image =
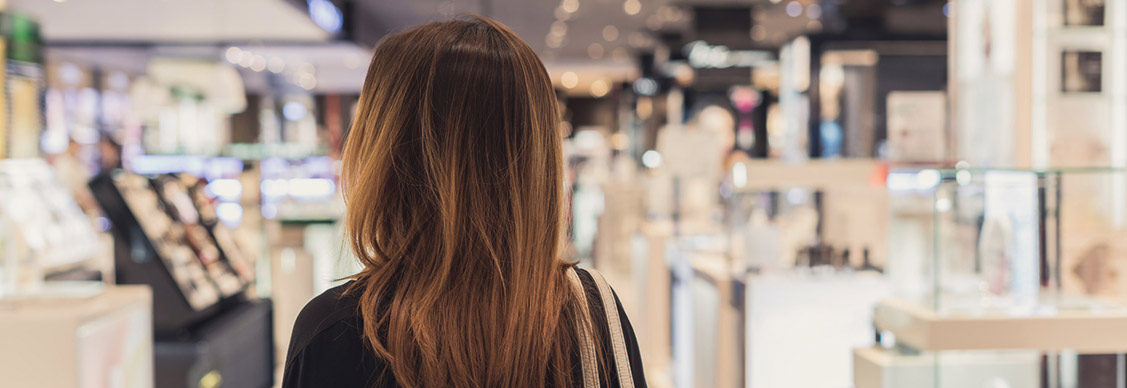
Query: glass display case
[{"x": 968, "y": 241}]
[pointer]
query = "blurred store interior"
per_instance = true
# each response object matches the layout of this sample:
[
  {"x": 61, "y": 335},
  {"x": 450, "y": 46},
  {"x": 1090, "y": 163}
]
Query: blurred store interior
[{"x": 784, "y": 193}]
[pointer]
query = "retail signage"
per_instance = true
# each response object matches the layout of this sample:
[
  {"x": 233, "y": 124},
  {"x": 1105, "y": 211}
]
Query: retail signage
[{"x": 704, "y": 56}]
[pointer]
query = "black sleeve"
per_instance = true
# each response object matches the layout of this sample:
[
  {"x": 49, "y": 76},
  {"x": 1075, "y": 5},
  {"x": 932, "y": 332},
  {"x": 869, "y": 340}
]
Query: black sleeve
[
  {"x": 335, "y": 357},
  {"x": 631, "y": 346}
]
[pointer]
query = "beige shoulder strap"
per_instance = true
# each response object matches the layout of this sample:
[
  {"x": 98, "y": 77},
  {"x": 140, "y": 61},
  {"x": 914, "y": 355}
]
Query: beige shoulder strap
[
  {"x": 614, "y": 324},
  {"x": 586, "y": 340}
]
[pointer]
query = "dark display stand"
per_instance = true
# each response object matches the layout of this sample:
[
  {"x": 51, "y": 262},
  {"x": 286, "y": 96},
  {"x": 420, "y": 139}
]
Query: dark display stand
[
  {"x": 136, "y": 261},
  {"x": 224, "y": 341},
  {"x": 235, "y": 349}
]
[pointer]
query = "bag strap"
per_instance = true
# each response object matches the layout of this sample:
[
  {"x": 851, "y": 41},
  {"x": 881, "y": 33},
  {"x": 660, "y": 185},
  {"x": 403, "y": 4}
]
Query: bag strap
[
  {"x": 614, "y": 324},
  {"x": 614, "y": 327},
  {"x": 587, "y": 353}
]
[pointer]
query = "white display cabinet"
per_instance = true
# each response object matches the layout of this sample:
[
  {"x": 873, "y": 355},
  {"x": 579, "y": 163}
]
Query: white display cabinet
[{"x": 78, "y": 336}]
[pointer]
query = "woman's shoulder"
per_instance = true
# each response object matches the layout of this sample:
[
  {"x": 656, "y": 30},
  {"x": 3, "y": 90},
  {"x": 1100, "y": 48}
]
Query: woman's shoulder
[
  {"x": 333, "y": 307},
  {"x": 327, "y": 348}
]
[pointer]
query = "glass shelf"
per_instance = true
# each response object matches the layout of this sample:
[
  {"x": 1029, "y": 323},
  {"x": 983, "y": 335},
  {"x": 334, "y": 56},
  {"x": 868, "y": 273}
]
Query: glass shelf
[
  {"x": 902, "y": 367},
  {"x": 1014, "y": 241}
]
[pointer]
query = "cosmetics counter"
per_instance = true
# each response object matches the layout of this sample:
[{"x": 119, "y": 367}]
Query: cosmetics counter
[
  {"x": 1001, "y": 277},
  {"x": 167, "y": 236},
  {"x": 44, "y": 239}
]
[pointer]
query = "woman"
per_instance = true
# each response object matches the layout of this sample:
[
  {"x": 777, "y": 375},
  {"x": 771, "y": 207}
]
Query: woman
[{"x": 453, "y": 180}]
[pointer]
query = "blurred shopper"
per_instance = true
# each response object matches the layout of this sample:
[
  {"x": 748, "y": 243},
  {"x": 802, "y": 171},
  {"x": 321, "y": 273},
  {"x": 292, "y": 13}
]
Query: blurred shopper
[{"x": 453, "y": 179}]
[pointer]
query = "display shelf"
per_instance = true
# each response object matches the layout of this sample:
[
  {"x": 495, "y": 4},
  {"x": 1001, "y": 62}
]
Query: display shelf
[
  {"x": 889, "y": 368},
  {"x": 1097, "y": 329},
  {"x": 159, "y": 241},
  {"x": 812, "y": 174}
]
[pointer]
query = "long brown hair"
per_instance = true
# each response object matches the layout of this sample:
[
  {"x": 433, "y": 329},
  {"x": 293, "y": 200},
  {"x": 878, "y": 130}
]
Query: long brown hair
[{"x": 453, "y": 179}]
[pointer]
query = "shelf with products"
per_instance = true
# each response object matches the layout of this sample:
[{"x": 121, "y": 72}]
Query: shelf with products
[
  {"x": 46, "y": 230},
  {"x": 1018, "y": 241},
  {"x": 162, "y": 240},
  {"x": 987, "y": 263},
  {"x": 782, "y": 215}
]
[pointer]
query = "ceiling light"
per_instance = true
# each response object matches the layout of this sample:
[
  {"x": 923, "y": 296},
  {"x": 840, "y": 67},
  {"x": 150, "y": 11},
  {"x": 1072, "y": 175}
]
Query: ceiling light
[
  {"x": 794, "y": 9},
  {"x": 599, "y": 88},
  {"x": 610, "y": 33},
  {"x": 569, "y": 79},
  {"x": 632, "y": 7},
  {"x": 569, "y": 6},
  {"x": 276, "y": 65},
  {"x": 258, "y": 63},
  {"x": 234, "y": 54},
  {"x": 307, "y": 81},
  {"x": 558, "y": 28},
  {"x": 246, "y": 59}
]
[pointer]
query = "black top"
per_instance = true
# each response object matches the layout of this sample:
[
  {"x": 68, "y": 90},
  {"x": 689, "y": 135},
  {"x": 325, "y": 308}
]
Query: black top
[{"x": 327, "y": 346}]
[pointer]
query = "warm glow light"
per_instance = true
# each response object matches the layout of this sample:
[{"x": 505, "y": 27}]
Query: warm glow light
[
  {"x": 619, "y": 141},
  {"x": 569, "y": 6},
  {"x": 632, "y": 7},
  {"x": 307, "y": 81},
  {"x": 569, "y": 80},
  {"x": 599, "y": 88},
  {"x": 610, "y": 33},
  {"x": 558, "y": 28},
  {"x": 561, "y": 14}
]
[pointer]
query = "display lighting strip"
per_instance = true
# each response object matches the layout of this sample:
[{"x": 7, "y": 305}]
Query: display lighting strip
[{"x": 303, "y": 75}]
